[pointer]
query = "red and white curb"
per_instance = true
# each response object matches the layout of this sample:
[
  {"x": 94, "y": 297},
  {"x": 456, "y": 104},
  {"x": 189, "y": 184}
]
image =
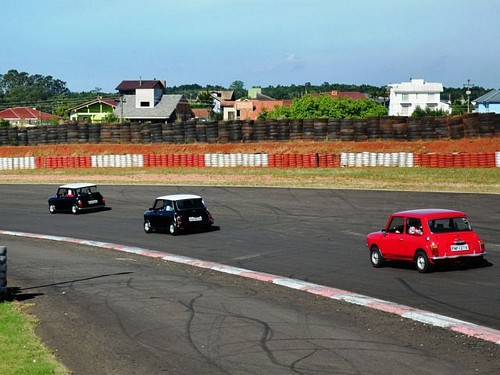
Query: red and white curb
[{"x": 422, "y": 316}]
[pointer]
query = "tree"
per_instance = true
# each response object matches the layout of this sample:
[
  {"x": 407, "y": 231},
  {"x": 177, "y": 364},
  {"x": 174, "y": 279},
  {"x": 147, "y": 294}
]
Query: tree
[
  {"x": 239, "y": 89},
  {"x": 419, "y": 112},
  {"x": 325, "y": 106},
  {"x": 204, "y": 98},
  {"x": 18, "y": 88}
]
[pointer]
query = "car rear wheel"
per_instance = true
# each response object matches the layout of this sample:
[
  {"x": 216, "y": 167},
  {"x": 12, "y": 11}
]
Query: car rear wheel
[
  {"x": 172, "y": 229},
  {"x": 422, "y": 262},
  {"x": 376, "y": 258},
  {"x": 74, "y": 209},
  {"x": 52, "y": 208},
  {"x": 147, "y": 227}
]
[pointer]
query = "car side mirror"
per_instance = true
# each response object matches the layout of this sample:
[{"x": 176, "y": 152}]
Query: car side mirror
[{"x": 384, "y": 231}]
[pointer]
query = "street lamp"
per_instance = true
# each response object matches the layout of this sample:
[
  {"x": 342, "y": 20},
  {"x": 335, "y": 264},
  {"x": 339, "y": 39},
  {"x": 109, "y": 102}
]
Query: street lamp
[{"x": 468, "y": 86}]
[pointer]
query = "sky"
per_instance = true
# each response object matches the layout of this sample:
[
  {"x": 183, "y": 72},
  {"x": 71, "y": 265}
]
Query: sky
[{"x": 96, "y": 44}]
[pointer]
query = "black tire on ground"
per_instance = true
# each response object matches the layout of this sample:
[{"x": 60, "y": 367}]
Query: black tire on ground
[
  {"x": 147, "y": 227},
  {"x": 376, "y": 258},
  {"x": 422, "y": 262}
]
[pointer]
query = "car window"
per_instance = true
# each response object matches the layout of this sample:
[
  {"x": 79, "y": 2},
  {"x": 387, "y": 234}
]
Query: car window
[
  {"x": 168, "y": 205},
  {"x": 84, "y": 191},
  {"x": 448, "y": 225},
  {"x": 158, "y": 204},
  {"x": 187, "y": 204},
  {"x": 413, "y": 225},
  {"x": 397, "y": 225}
]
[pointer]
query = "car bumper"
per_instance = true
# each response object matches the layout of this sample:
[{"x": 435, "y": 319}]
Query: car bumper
[{"x": 458, "y": 256}]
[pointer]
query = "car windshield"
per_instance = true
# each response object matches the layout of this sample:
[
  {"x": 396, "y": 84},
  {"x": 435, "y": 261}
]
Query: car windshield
[
  {"x": 187, "y": 204},
  {"x": 451, "y": 224}
]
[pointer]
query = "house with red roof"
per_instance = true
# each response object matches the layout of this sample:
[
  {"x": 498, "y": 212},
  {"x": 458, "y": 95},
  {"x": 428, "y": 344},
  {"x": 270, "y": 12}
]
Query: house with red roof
[
  {"x": 26, "y": 116},
  {"x": 94, "y": 111},
  {"x": 250, "y": 108},
  {"x": 354, "y": 95}
]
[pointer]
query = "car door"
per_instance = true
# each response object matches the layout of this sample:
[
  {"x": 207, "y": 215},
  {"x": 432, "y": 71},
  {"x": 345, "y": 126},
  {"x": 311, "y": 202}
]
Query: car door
[
  {"x": 166, "y": 214},
  {"x": 392, "y": 244},
  {"x": 64, "y": 199},
  {"x": 162, "y": 214},
  {"x": 412, "y": 239}
]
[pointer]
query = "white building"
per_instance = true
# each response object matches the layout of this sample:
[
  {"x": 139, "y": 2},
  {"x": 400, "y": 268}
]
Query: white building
[{"x": 405, "y": 97}]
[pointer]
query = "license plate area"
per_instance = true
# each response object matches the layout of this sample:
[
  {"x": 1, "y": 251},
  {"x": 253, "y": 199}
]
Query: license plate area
[
  {"x": 463, "y": 247},
  {"x": 195, "y": 218},
  {"x": 93, "y": 201}
]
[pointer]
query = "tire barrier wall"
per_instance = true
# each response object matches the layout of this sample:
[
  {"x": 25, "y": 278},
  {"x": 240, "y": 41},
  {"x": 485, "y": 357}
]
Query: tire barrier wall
[
  {"x": 391, "y": 128},
  {"x": 220, "y": 160},
  {"x": 3, "y": 271}
]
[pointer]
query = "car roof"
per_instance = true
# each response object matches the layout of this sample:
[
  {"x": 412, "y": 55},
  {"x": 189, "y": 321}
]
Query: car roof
[
  {"x": 430, "y": 213},
  {"x": 179, "y": 197},
  {"x": 77, "y": 185}
]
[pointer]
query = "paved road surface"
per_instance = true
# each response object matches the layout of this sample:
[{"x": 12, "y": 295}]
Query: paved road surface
[
  {"x": 107, "y": 312},
  {"x": 308, "y": 234}
]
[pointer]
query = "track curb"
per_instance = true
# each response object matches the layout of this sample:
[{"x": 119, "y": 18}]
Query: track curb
[{"x": 422, "y": 316}]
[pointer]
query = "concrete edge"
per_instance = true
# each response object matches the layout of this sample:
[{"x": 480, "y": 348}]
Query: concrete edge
[{"x": 422, "y": 316}]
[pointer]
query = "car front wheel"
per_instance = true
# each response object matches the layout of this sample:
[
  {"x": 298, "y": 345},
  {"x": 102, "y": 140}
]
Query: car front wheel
[
  {"x": 147, "y": 227},
  {"x": 52, "y": 208},
  {"x": 422, "y": 262},
  {"x": 376, "y": 258},
  {"x": 74, "y": 209}
]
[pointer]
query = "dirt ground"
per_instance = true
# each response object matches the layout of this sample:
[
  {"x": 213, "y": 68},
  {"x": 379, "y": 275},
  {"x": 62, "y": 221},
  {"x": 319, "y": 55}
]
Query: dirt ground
[{"x": 466, "y": 145}]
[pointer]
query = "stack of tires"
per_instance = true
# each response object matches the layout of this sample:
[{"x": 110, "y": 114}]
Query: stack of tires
[
  {"x": 72, "y": 133},
  {"x": 4, "y": 136},
  {"x": 99, "y": 134},
  {"x": 247, "y": 130},
  {"x": 333, "y": 129}
]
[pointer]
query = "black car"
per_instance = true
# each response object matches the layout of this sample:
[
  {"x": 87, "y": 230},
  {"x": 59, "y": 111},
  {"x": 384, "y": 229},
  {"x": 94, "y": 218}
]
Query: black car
[
  {"x": 178, "y": 213},
  {"x": 75, "y": 198}
]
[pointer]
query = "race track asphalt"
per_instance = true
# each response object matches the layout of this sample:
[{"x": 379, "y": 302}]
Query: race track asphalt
[{"x": 307, "y": 234}]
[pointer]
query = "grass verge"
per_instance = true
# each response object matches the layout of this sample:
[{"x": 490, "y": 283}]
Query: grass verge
[
  {"x": 21, "y": 351},
  {"x": 463, "y": 180}
]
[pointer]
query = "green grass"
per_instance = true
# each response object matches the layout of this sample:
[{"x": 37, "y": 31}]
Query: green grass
[{"x": 21, "y": 351}]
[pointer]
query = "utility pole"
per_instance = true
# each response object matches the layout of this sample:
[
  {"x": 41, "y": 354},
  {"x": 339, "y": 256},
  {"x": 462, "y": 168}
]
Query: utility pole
[{"x": 468, "y": 86}]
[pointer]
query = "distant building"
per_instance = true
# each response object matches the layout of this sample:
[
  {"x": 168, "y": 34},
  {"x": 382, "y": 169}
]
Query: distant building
[
  {"x": 405, "y": 97},
  {"x": 220, "y": 97},
  {"x": 201, "y": 113},
  {"x": 26, "y": 116},
  {"x": 147, "y": 101},
  {"x": 489, "y": 102},
  {"x": 94, "y": 111},
  {"x": 354, "y": 95}
]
